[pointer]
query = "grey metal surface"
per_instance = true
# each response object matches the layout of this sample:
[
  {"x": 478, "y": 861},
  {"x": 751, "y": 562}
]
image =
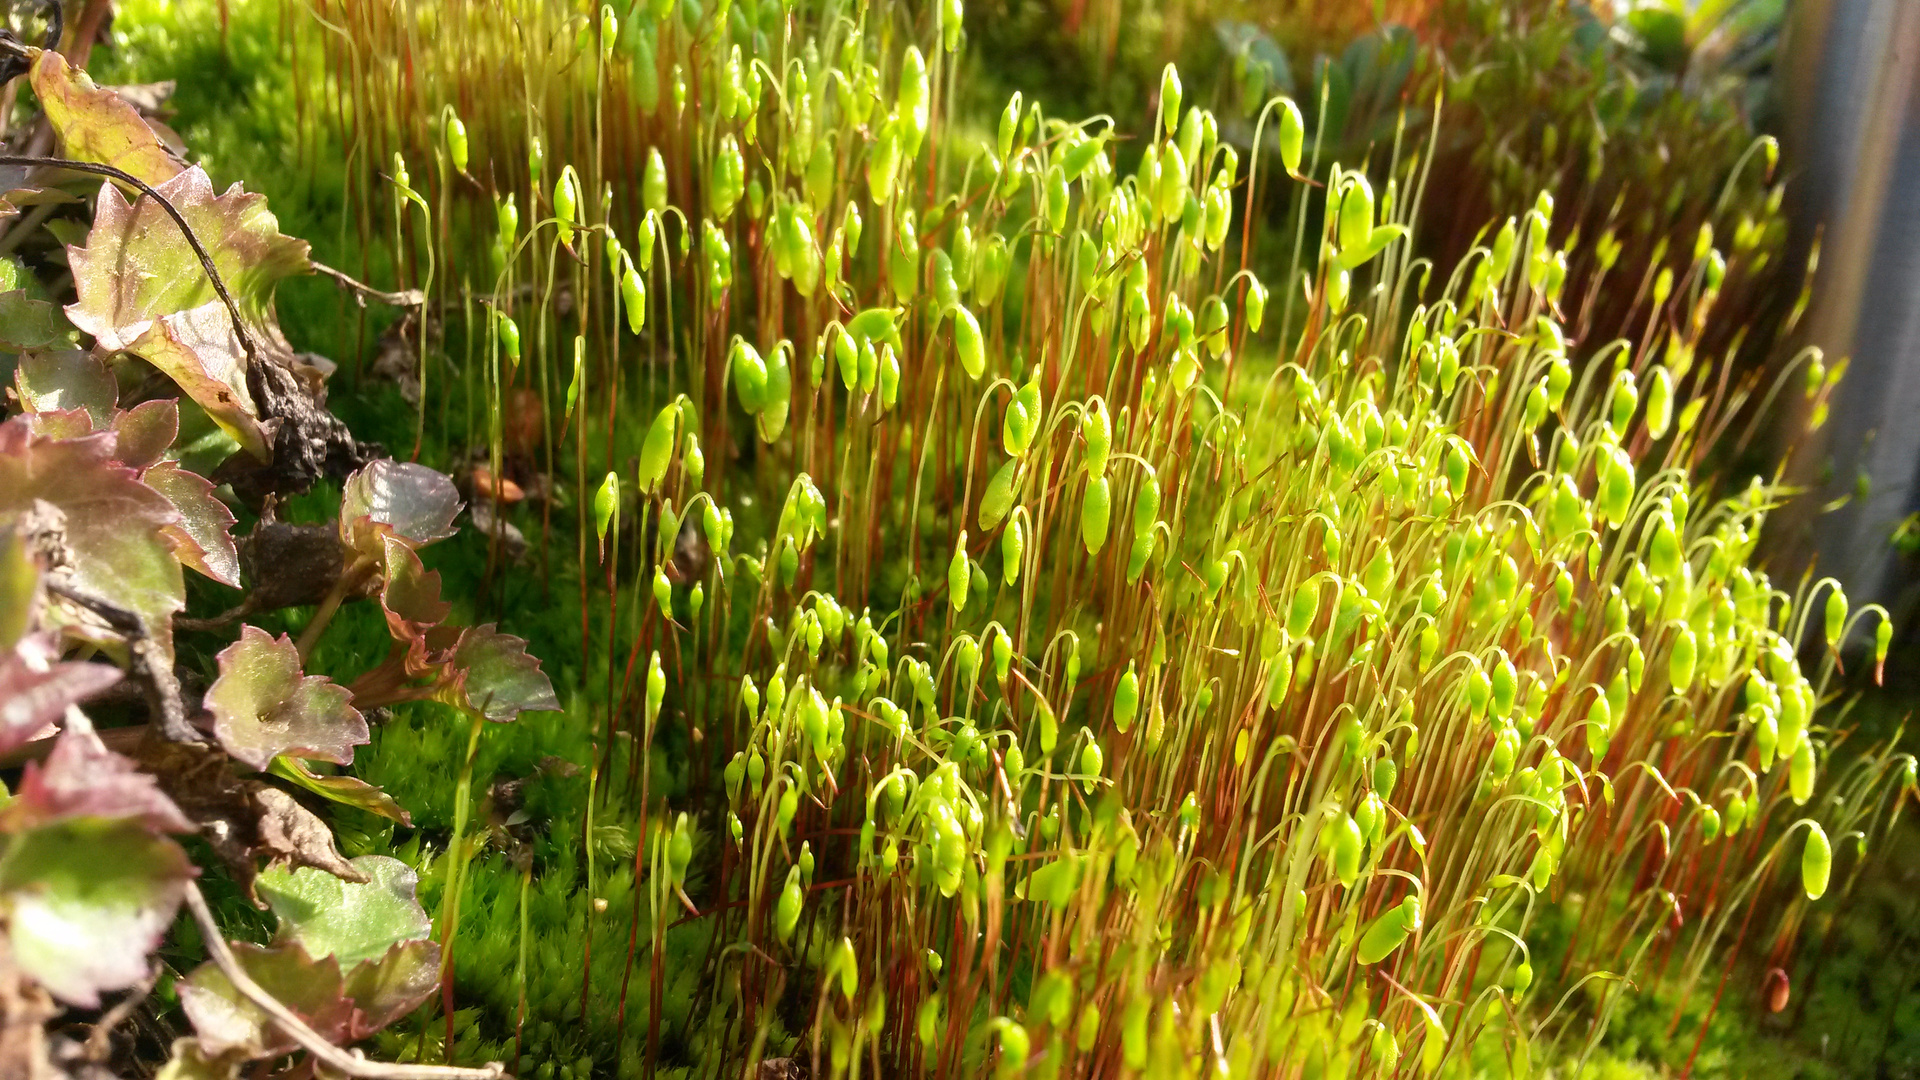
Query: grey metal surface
[{"x": 1851, "y": 104}]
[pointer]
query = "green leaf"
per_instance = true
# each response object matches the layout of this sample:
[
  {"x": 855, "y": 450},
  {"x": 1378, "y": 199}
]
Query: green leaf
[
  {"x": 387, "y": 989},
  {"x": 115, "y": 525},
  {"x": 491, "y": 674},
  {"x": 349, "y": 922},
  {"x": 230, "y": 1025},
  {"x": 25, "y": 323},
  {"x": 86, "y": 905},
  {"x": 52, "y": 381},
  {"x": 263, "y": 706},
  {"x": 98, "y": 125},
  {"x": 343, "y": 1008},
  {"x": 345, "y": 790}
]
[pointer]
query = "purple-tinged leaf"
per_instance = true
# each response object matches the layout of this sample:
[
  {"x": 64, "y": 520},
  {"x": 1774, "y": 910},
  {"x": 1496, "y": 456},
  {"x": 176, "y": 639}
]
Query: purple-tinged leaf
[
  {"x": 95, "y": 124},
  {"x": 82, "y": 779},
  {"x": 146, "y": 431},
  {"x": 350, "y": 922},
  {"x": 389, "y": 988},
  {"x": 343, "y": 789},
  {"x": 141, "y": 288},
  {"x": 491, "y": 674},
  {"x": 25, "y": 323},
  {"x": 203, "y": 539},
  {"x": 31, "y": 699},
  {"x": 403, "y": 499},
  {"x": 86, "y": 905},
  {"x": 410, "y": 592},
  {"x": 65, "y": 379},
  {"x": 263, "y": 706},
  {"x": 229, "y": 1024},
  {"x": 61, "y": 424},
  {"x": 114, "y": 525}
]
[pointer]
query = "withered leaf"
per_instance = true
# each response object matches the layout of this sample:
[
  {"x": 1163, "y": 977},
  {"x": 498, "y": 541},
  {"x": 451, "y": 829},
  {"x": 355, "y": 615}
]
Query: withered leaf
[{"x": 290, "y": 835}]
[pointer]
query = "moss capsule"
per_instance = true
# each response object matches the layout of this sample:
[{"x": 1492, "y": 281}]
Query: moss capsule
[
  {"x": 958, "y": 577},
  {"x": 1096, "y": 505},
  {"x": 1126, "y": 699},
  {"x": 968, "y": 344},
  {"x": 1816, "y": 862}
]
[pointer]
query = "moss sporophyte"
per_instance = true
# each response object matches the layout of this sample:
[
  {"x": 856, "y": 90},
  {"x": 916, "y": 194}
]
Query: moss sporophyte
[{"x": 1172, "y": 627}]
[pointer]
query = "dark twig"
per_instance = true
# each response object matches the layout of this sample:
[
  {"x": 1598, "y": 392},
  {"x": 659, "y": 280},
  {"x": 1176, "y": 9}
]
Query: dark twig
[
  {"x": 151, "y": 667},
  {"x": 404, "y": 298},
  {"x": 18, "y": 60},
  {"x": 206, "y": 260},
  {"x": 96, "y": 1044}
]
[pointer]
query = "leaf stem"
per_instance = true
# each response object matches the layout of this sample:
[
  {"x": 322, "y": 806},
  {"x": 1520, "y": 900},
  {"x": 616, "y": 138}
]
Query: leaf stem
[{"x": 348, "y": 1062}]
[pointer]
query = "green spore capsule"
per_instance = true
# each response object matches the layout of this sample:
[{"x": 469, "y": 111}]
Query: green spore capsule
[
  {"x": 1625, "y": 398},
  {"x": 457, "y": 143},
  {"x": 566, "y": 202},
  {"x": 1126, "y": 699},
  {"x": 1293, "y": 135},
  {"x": 1385, "y": 774},
  {"x": 1304, "y": 608},
  {"x": 1800, "y": 772},
  {"x": 1505, "y": 684},
  {"x": 1013, "y": 545},
  {"x": 1816, "y": 862},
  {"x": 1096, "y": 505},
  {"x": 1681, "y": 660},
  {"x": 786, "y": 911},
  {"x": 1344, "y": 849},
  {"x": 662, "y": 592},
  {"x": 1659, "y": 401},
  {"x": 1709, "y": 823},
  {"x": 1254, "y": 305},
  {"x": 656, "y": 452},
  {"x": 968, "y": 344},
  {"x": 1096, "y": 431},
  {"x": 1091, "y": 761},
  {"x": 510, "y": 337},
  {"x": 1387, "y": 932},
  {"x": 606, "y": 503},
  {"x": 958, "y": 575},
  {"x": 1479, "y": 690},
  {"x": 633, "y": 299},
  {"x": 679, "y": 850}
]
